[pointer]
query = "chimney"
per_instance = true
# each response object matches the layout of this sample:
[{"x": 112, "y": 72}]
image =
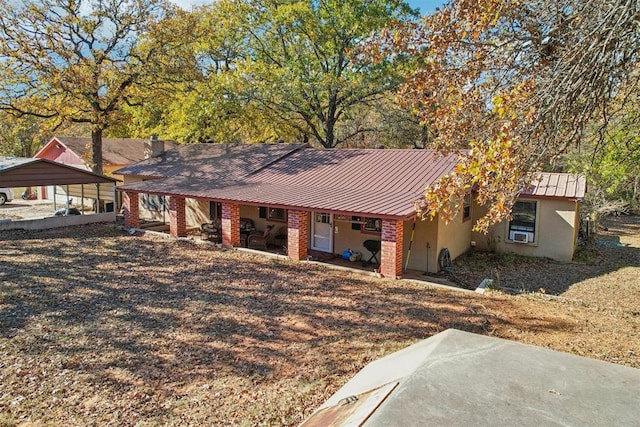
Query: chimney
[{"x": 154, "y": 147}]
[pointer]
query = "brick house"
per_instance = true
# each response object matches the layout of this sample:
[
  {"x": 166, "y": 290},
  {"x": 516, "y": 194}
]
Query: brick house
[{"x": 327, "y": 200}]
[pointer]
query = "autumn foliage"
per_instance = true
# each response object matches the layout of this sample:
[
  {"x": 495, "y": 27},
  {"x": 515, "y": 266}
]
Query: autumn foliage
[{"x": 511, "y": 85}]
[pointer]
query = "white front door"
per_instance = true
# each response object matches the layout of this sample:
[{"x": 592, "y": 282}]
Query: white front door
[{"x": 322, "y": 232}]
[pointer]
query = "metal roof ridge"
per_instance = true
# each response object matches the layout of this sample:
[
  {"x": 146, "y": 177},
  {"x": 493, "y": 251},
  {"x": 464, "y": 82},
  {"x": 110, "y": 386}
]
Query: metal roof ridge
[{"x": 300, "y": 146}]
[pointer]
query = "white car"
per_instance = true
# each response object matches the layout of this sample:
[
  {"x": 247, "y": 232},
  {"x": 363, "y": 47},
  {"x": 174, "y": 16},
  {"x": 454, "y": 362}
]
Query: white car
[{"x": 6, "y": 195}]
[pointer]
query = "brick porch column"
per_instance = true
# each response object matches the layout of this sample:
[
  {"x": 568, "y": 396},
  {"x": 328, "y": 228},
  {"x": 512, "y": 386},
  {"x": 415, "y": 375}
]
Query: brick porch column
[
  {"x": 131, "y": 206},
  {"x": 230, "y": 225},
  {"x": 177, "y": 216},
  {"x": 392, "y": 247},
  {"x": 298, "y": 235}
]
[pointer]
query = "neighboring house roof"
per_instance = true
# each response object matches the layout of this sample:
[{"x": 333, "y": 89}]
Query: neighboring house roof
[
  {"x": 376, "y": 182},
  {"x": 115, "y": 151},
  {"x": 26, "y": 172},
  {"x": 560, "y": 185}
]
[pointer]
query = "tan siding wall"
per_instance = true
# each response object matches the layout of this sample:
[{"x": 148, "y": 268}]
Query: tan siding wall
[
  {"x": 483, "y": 241},
  {"x": 455, "y": 236},
  {"x": 90, "y": 191},
  {"x": 253, "y": 213},
  {"x": 345, "y": 238},
  {"x": 555, "y": 237},
  {"x": 197, "y": 212},
  {"x": 426, "y": 234}
]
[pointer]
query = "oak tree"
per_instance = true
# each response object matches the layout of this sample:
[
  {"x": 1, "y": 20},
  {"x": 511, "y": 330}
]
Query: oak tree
[
  {"x": 512, "y": 84},
  {"x": 75, "y": 61}
]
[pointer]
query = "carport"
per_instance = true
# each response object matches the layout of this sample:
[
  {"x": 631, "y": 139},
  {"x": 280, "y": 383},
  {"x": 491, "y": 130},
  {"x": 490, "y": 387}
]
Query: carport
[{"x": 31, "y": 172}]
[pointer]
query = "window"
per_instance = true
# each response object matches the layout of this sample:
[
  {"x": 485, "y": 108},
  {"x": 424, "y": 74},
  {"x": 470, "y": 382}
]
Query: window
[
  {"x": 323, "y": 218},
  {"x": 372, "y": 224},
  {"x": 153, "y": 202},
  {"x": 522, "y": 227},
  {"x": 276, "y": 214},
  {"x": 355, "y": 223},
  {"x": 215, "y": 210},
  {"x": 466, "y": 207}
]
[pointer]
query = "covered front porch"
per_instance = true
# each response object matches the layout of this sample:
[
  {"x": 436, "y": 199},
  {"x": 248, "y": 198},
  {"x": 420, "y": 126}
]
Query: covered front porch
[{"x": 306, "y": 232}]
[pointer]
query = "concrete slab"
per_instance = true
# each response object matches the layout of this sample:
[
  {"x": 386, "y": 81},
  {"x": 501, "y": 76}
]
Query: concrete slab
[{"x": 458, "y": 378}]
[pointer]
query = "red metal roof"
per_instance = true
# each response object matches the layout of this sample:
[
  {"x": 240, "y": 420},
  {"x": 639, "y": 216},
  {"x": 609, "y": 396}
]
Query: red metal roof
[
  {"x": 375, "y": 182},
  {"x": 28, "y": 171},
  {"x": 383, "y": 183},
  {"x": 562, "y": 185}
]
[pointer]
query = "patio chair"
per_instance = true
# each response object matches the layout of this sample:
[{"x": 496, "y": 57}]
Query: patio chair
[
  {"x": 280, "y": 239},
  {"x": 259, "y": 239},
  {"x": 210, "y": 231}
]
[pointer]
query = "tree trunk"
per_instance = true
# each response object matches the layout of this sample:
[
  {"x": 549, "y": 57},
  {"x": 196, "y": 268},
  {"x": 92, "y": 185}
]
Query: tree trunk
[{"x": 96, "y": 150}]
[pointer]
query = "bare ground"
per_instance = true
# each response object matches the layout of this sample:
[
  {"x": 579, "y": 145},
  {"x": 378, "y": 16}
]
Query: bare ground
[{"x": 99, "y": 327}]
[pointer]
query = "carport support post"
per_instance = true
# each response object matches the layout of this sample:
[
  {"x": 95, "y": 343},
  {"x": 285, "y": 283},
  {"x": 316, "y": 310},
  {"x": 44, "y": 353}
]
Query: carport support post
[
  {"x": 177, "y": 216},
  {"x": 131, "y": 206},
  {"x": 298, "y": 235},
  {"x": 391, "y": 248},
  {"x": 230, "y": 225}
]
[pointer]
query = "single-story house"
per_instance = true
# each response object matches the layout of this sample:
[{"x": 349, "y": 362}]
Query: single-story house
[
  {"x": 116, "y": 153},
  {"x": 324, "y": 200}
]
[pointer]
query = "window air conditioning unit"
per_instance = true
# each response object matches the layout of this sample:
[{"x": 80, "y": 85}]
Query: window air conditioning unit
[{"x": 520, "y": 237}]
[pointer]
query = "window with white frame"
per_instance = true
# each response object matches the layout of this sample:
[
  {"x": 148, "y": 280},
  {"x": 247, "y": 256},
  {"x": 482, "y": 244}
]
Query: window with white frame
[{"x": 522, "y": 227}]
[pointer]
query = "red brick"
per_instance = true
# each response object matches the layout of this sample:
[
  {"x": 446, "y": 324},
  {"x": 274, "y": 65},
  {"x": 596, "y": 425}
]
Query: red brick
[
  {"x": 230, "y": 225},
  {"x": 391, "y": 248},
  {"x": 177, "y": 216},
  {"x": 131, "y": 206},
  {"x": 298, "y": 235}
]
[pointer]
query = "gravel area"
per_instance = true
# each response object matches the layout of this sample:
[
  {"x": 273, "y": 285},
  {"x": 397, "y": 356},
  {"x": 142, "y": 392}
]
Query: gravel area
[{"x": 25, "y": 209}]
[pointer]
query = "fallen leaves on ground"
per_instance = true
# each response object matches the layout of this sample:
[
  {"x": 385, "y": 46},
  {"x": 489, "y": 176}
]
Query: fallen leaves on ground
[{"x": 100, "y": 327}]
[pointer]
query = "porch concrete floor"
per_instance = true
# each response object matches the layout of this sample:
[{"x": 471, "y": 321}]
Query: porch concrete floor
[{"x": 330, "y": 260}]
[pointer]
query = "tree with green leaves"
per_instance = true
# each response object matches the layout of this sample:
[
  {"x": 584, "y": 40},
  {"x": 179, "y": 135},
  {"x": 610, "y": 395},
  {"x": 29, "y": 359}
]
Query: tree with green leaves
[
  {"x": 304, "y": 65},
  {"x": 268, "y": 70},
  {"x": 75, "y": 61},
  {"x": 20, "y": 137}
]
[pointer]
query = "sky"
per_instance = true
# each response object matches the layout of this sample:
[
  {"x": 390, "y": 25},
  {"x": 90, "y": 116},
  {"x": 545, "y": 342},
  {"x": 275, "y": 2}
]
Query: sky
[{"x": 425, "y": 6}]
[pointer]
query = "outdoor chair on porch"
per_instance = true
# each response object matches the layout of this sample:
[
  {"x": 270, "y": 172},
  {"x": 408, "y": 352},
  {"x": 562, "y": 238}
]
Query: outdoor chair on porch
[
  {"x": 280, "y": 239},
  {"x": 259, "y": 239},
  {"x": 211, "y": 231}
]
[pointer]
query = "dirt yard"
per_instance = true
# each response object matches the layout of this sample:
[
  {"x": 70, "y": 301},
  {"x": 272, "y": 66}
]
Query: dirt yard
[{"x": 100, "y": 327}]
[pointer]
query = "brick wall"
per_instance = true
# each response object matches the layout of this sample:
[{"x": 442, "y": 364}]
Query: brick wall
[
  {"x": 391, "y": 248},
  {"x": 230, "y": 225},
  {"x": 298, "y": 235},
  {"x": 177, "y": 217},
  {"x": 131, "y": 206}
]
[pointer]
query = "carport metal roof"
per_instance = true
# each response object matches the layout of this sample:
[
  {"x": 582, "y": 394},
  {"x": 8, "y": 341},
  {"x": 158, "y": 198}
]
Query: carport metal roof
[{"x": 27, "y": 172}]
